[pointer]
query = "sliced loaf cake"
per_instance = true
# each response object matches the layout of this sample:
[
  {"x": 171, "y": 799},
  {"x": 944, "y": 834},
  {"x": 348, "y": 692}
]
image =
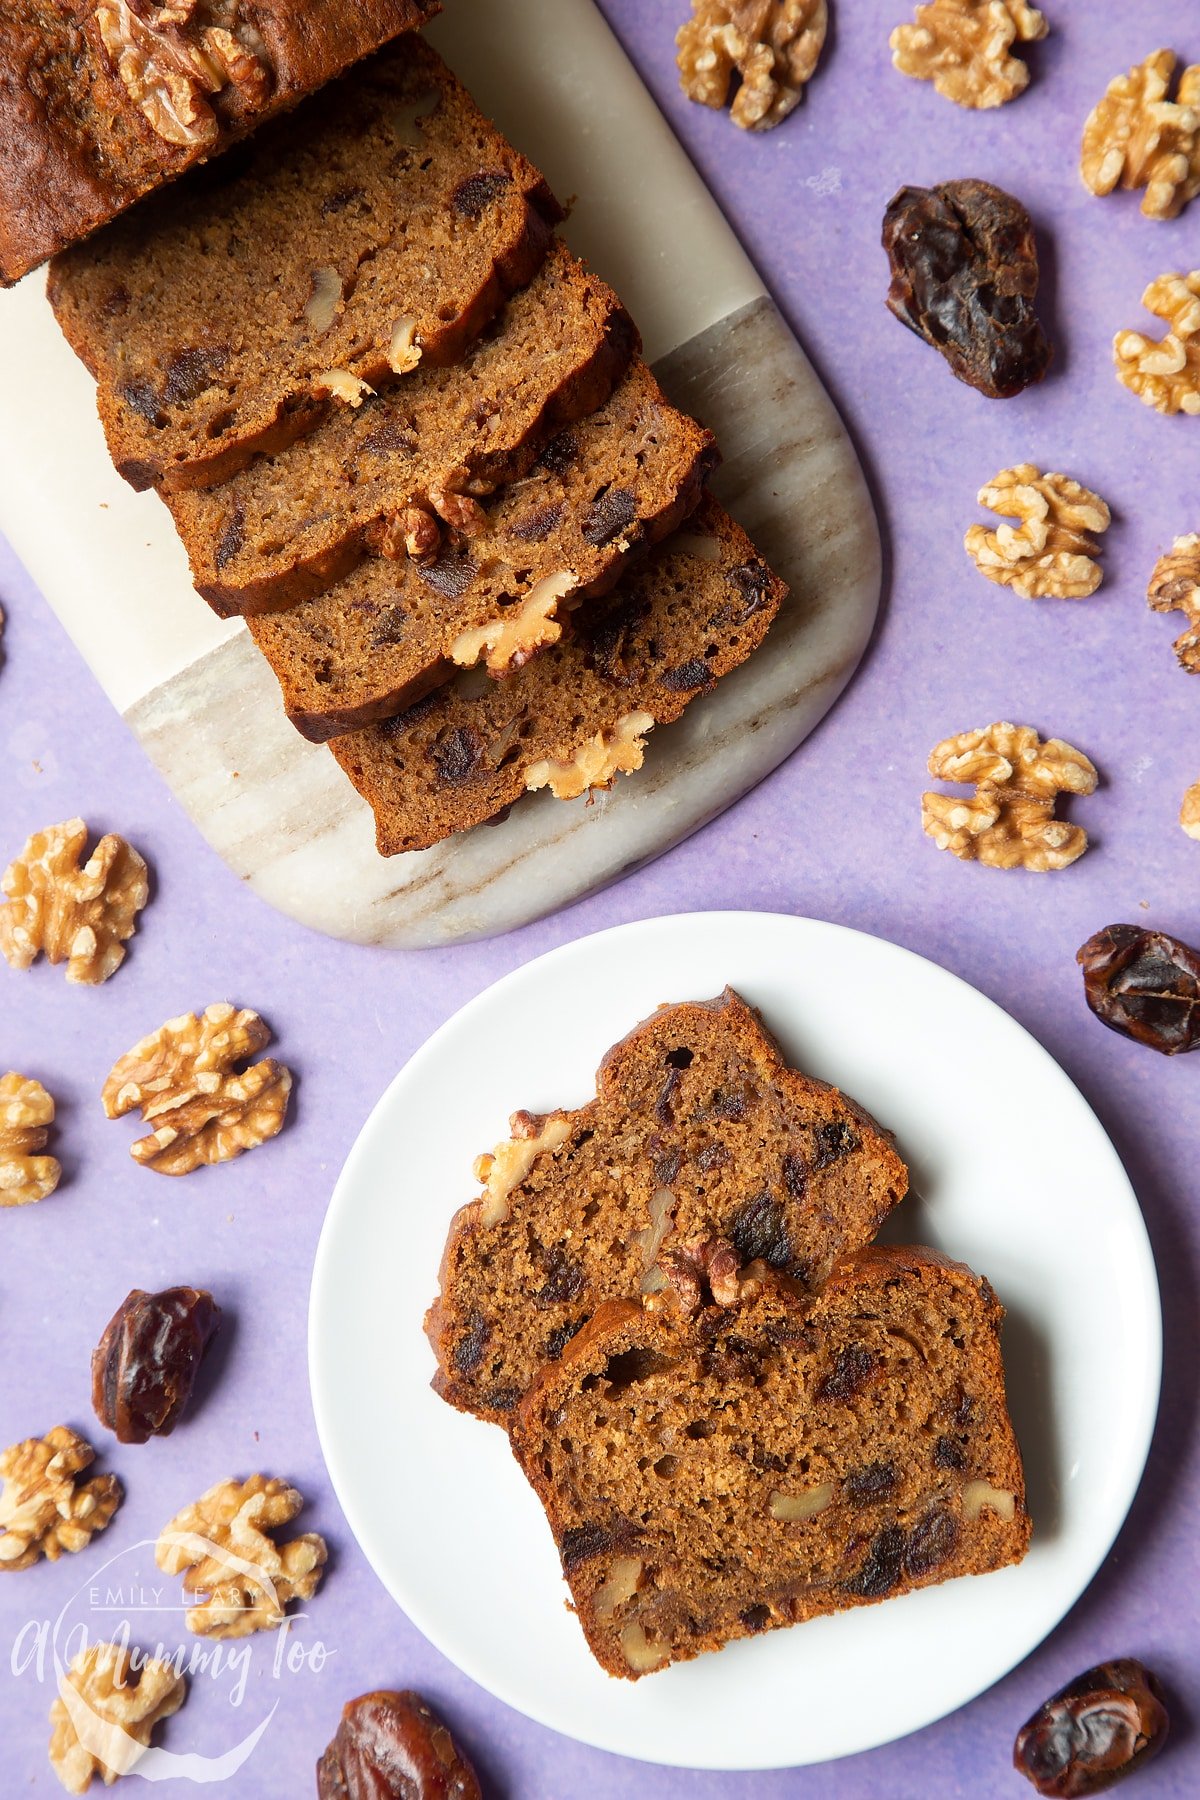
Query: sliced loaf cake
[
  {"x": 374, "y": 474},
  {"x": 382, "y": 638},
  {"x": 577, "y": 715},
  {"x": 698, "y": 1128},
  {"x": 379, "y": 227},
  {"x": 728, "y": 1457}
]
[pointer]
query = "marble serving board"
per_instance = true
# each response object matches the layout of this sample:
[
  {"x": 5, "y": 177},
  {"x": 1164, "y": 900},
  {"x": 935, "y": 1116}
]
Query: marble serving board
[{"x": 205, "y": 706}]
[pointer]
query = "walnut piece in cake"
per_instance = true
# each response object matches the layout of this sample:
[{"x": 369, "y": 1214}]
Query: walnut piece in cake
[
  {"x": 201, "y": 1108},
  {"x": 1051, "y": 552},
  {"x": 106, "y": 1712},
  {"x": 81, "y": 916},
  {"x": 26, "y": 1114},
  {"x": 597, "y": 762},
  {"x": 1009, "y": 822},
  {"x": 1165, "y": 372},
  {"x": 44, "y": 1510},
  {"x": 965, "y": 48},
  {"x": 769, "y": 48},
  {"x": 1175, "y": 587},
  {"x": 171, "y": 58},
  {"x": 1136, "y": 138},
  {"x": 242, "y": 1579}
]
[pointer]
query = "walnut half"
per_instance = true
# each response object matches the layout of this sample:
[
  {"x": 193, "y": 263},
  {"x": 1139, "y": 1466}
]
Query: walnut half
[
  {"x": 1165, "y": 373},
  {"x": 767, "y": 50},
  {"x": 200, "y": 1107},
  {"x": 26, "y": 1114},
  {"x": 44, "y": 1510},
  {"x": 223, "y": 1545},
  {"x": 1175, "y": 587},
  {"x": 965, "y": 48},
  {"x": 1136, "y": 138},
  {"x": 1051, "y": 552},
  {"x": 106, "y": 1711},
  {"x": 1009, "y": 822},
  {"x": 81, "y": 916}
]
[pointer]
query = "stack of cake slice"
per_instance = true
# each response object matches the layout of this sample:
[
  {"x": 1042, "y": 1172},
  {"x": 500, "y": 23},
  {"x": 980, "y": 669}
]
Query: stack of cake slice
[
  {"x": 738, "y": 1411},
  {"x": 408, "y": 436}
]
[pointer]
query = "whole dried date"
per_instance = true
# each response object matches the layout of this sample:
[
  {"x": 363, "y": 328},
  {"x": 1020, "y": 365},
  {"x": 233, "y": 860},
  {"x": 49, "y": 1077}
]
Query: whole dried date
[
  {"x": 145, "y": 1365},
  {"x": 964, "y": 277},
  {"x": 1100, "y": 1727},
  {"x": 1145, "y": 985},
  {"x": 392, "y": 1746}
]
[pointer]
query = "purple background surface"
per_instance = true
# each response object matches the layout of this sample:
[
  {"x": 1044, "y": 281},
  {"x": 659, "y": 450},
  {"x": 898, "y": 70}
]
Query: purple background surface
[{"x": 835, "y": 833}]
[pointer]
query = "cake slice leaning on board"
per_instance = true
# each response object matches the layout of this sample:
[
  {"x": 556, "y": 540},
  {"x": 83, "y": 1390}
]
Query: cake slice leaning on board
[
  {"x": 375, "y": 473},
  {"x": 379, "y": 227},
  {"x": 576, "y": 716},
  {"x": 371, "y": 646},
  {"x": 726, "y": 1457}
]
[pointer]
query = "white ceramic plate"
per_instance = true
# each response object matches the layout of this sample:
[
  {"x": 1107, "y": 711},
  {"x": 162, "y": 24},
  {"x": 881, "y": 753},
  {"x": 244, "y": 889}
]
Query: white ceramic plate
[{"x": 1015, "y": 1177}]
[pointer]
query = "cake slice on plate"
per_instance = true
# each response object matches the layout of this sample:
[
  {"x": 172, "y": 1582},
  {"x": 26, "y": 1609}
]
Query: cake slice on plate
[
  {"x": 729, "y": 1456},
  {"x": 699, "y": 1129}
]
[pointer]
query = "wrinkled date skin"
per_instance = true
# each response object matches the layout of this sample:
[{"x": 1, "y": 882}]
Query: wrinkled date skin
[
  {"x": 1145, "y": 985},
  {"x": 1100, "y": 1727},
  {"x": 391, "y": 1746},
  {"x": 144, "y": 1367},
  {"x": 964, "y": 277}
]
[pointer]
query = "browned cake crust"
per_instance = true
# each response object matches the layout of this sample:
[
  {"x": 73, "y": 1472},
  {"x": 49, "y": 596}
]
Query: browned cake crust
[
  {"x": 578, "y": 714},
  {"x": 713, "y": 1471},
  {"x": 698, "y": 1128},
  {"x": 381, "y": 226},
  {"x": 103, "y": 100},
  {"x": 291, "y": 525},
  {"x": 380, "y": 640}
]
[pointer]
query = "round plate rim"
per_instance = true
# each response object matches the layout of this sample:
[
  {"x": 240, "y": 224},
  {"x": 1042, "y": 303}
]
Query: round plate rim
[{"x": 323, "y": 1279}]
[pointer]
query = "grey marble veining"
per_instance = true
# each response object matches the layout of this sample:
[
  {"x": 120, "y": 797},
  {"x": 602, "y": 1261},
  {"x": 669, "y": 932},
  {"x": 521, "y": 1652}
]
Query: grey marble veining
[{"x": 284, "y": 817}]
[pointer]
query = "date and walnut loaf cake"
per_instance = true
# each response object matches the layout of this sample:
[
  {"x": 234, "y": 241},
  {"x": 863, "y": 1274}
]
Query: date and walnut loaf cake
[
  {"x": 102, "y": 101},
  {"x": 376, "y": 643},
  {"x": 380, "y": 226},
  {"x": 577, "y": 715},
  {"x": 728, "y": 1457},
  {"x": 698, "y": 1129},
  {"x": 379, "y": 472}
]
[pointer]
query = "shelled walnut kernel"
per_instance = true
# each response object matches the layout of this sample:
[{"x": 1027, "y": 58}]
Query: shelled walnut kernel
[
  {"x": 1051, "y": 552},
  {"x": 44, "y": 1510},
  {"x": 1137, "y": 138},
  {"x": 1009, "y": 822},
  {"x": 1175, "y": 587},
  {"x": 231, "y": 1564},
  {"x": 766, "y": 50},
  {"x": 201, "y": 1109},
  {"x": 81, "y": 916},
  {"x": 118, "y": 1709},
  {"x": 1165, "y": 372},
  {"x": 26, "y": 1114},
  {"x": 965, "y": 48}
]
